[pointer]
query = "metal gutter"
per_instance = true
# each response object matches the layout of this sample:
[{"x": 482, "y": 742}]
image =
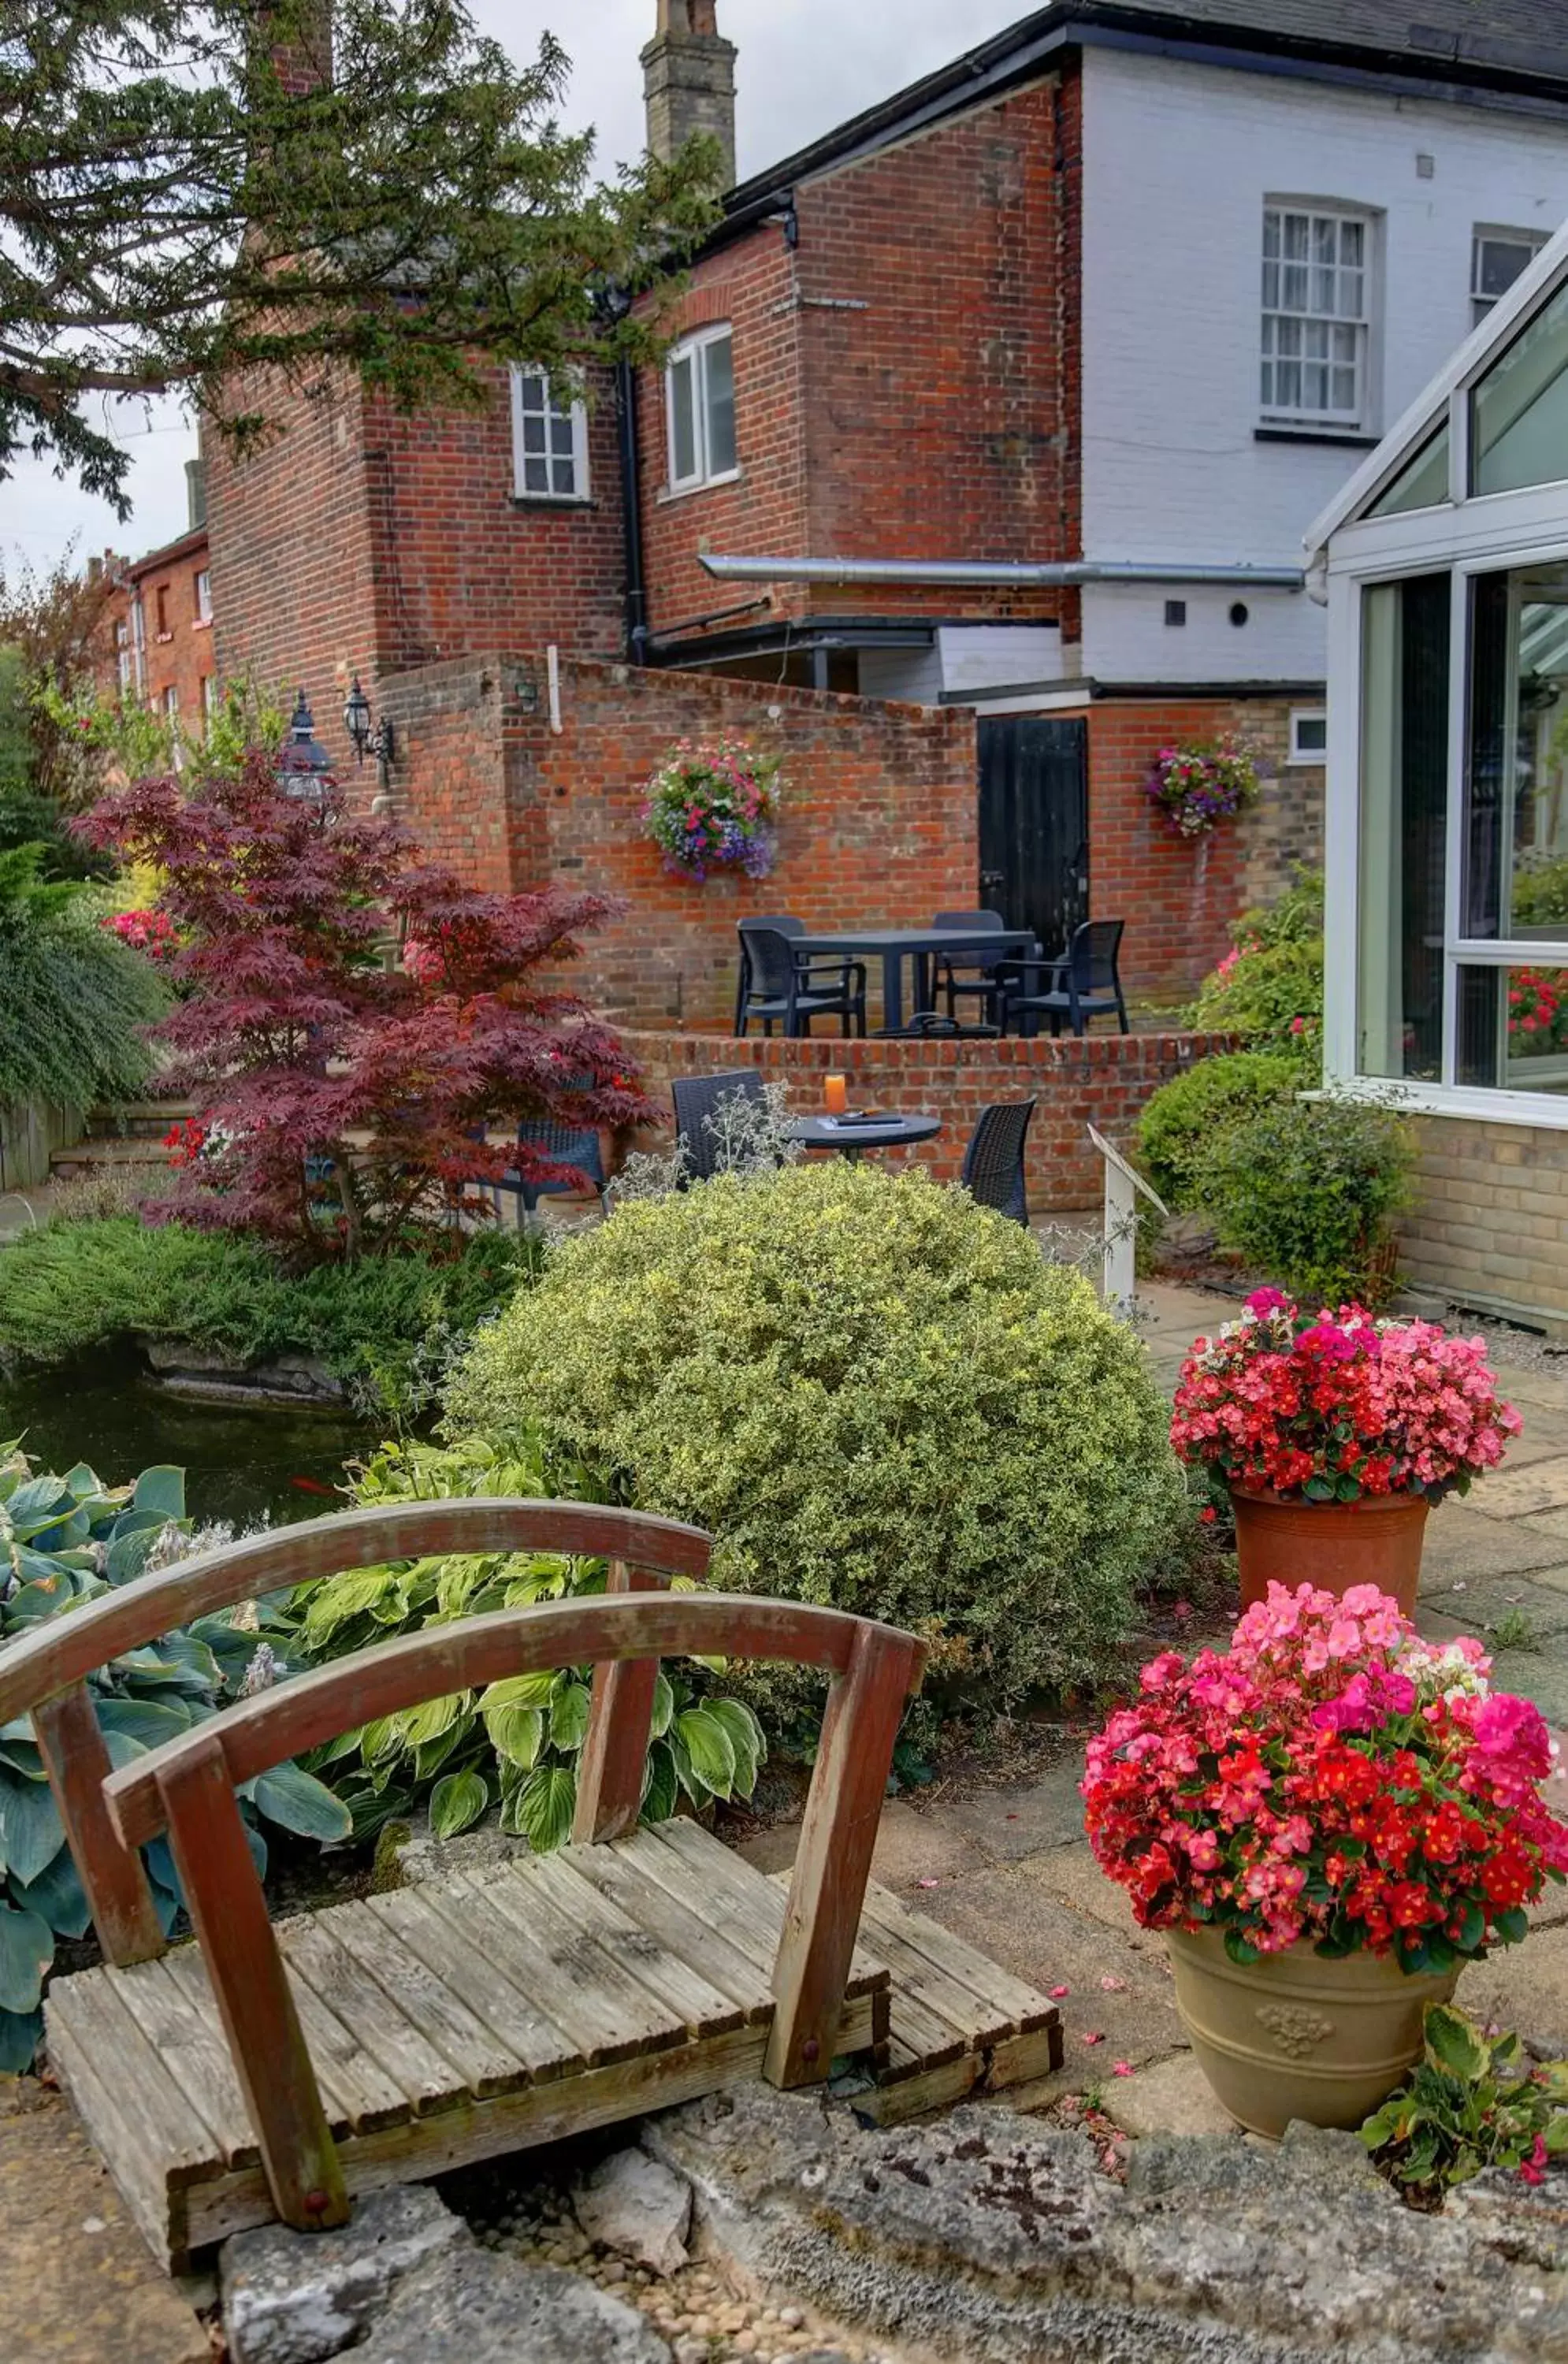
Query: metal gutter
[{"x": 1048, "y": 574}]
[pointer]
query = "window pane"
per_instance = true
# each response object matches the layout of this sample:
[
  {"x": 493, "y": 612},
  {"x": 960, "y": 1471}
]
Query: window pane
[
  {"x": 1520, "y": 422},
  {"x": 1421, "y": 484},
  {"x": 719, "y": 358},
  {"x": 1404, "y": 811},
  {"x": 1513, "y": 1028},
  {"x": 536, "y": 475},
  {"x": 683, "y": 418},
  {"x": 1516, "y": 830}
]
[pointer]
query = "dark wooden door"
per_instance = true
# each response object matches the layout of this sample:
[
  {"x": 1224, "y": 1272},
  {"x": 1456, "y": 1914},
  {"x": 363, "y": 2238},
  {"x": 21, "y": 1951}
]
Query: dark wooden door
[{"x": 1034, "y": 823}]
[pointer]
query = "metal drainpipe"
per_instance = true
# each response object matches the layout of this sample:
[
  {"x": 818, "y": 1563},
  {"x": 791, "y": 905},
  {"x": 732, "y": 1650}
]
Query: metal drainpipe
[
  {"x": 636, "y": 632},
  {"x": 999, "y": 574}
]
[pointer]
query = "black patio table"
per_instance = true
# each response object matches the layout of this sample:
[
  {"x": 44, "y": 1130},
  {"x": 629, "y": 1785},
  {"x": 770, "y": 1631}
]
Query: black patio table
[
  {"x": 894, "y": 946},
  {"x": 852, "y": 1138}
]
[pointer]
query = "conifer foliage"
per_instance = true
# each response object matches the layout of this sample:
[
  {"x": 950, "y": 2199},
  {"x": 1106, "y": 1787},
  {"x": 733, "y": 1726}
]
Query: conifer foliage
[{"x": 351, "y": 1017}]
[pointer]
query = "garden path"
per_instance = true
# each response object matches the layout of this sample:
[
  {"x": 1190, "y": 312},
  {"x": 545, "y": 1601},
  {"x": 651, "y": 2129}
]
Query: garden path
[{"x": 1010, "y": 1870}]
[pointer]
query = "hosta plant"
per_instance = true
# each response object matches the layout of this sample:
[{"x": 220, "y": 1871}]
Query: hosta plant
[
  {"x": 65, "y": 1540},
  {"x": 517, "y": 1742},
  {"x": 1476, "y": 2101}
]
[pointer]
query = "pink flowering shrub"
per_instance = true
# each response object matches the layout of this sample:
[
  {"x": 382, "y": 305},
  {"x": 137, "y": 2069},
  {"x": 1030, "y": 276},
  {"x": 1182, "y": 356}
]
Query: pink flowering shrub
[
  {"x": 1330, "y": 1778},
  {"x": 1331, "y": 1407}
]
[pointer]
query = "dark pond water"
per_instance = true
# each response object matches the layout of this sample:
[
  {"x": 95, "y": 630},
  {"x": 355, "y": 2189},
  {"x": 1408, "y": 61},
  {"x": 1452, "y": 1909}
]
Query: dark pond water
[{"x": 240, "y": 1464}]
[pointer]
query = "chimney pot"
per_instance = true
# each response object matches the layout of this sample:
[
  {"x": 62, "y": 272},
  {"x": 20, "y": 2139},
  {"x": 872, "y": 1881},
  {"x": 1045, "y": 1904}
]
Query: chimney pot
[{"x": 688, "y": 80}]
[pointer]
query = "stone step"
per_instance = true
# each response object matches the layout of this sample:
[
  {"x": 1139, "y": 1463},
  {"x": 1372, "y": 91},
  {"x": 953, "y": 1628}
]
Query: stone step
[{"x": 88, "y": 1158}]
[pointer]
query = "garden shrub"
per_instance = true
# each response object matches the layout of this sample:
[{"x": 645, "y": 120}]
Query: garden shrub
[
  {"x": 1307, "y": 1192},
  {"x": 381, "y": 1324},
  {"x": 874, "y": 1393},
  {"x": 1540, "y": 889},
  {"x": 1187, "y": 1115},
  {"x": 66, "y": 1540},
  {"x": 1268, "y": 990},
  {"x": 518, "y": 1741},
  {"x": 73, "y": 1000}
]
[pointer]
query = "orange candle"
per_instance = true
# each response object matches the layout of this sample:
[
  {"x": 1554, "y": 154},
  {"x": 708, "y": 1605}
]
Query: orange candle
[{"x": 836, "y": 1092}]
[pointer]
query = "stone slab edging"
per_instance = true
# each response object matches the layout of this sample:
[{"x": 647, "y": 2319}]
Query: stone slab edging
[{"x": 984, "y": 2238}]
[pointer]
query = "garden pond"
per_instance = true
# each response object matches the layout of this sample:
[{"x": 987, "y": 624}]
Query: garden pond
[{"x": 243, "y": 1462}]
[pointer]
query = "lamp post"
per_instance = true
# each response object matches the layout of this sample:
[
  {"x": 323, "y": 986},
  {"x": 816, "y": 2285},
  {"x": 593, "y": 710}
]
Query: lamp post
[
  {"x": 380, "y": 741},
  {"x": 303, "y": 764}
]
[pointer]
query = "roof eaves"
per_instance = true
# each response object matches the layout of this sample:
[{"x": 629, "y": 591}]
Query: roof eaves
[{"x": 184, "y": 546}]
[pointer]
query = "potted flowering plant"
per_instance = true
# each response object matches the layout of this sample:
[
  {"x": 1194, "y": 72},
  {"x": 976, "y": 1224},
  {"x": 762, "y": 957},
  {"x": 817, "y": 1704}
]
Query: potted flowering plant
[
  {"x": 1197, "y": 787},
  {"x": 714, "y": 806},
  {"x": 1327, "y": 1819},
  {"x": 1334, "y": 1434}
]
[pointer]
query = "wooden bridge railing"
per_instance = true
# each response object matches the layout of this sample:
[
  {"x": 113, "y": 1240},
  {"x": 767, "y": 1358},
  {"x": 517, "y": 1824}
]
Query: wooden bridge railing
[
  {"x": 44, "y": 1676},
  {"x": 187, "y": 1788}
]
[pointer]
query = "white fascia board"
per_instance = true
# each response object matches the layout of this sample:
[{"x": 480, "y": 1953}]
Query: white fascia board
[{"x": 1529, "y": 291}]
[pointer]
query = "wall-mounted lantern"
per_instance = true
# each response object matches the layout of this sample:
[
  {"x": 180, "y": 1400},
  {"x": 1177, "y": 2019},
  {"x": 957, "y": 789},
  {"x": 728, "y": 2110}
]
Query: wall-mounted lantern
[
  {"x": 379, "y": 739},
  {"x": 303, "y": 764}
]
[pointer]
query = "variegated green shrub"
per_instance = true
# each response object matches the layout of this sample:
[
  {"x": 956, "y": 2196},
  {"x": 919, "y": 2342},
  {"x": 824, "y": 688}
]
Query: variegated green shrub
[
  {"x": 517, "y": 1742},
  {"x": 875, "y": 1394},
  {"x": 64, "y": 1541}
]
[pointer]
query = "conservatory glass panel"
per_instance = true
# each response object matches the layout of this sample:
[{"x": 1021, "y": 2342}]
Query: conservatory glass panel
[
  {"x": 1421, "y": 484},
  {"x": 1519, "y": 434},
  {"x": 1515, "y": 836},
  {"x": 1403, "y": 808},
  {"x": 1513, "y": 1028}
]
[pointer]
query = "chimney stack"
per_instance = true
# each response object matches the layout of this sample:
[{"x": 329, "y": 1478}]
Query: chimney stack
[{"x": 688, "y": 80}]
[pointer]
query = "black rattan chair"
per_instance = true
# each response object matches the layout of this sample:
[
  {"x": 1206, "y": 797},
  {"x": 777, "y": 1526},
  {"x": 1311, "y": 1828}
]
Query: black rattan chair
[
  {"x": 696, "y": 1098},
  {"x": 563, "y": 1144},
  {"x": 1086, "y": 983},
  {"x": 971, "y": 974},
  {"x": 993, "y": 1162},
  {"x": 777, "y": 982}
]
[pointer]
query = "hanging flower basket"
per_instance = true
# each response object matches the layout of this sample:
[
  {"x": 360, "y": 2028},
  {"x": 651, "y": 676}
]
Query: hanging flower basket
[
  {"x": 1197, "y": 787},
  {"x": 714, "y": 806}
]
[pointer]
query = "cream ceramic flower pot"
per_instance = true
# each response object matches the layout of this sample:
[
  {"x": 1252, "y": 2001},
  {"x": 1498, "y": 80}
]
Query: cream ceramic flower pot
[{"x": 1295, "y": 2036}]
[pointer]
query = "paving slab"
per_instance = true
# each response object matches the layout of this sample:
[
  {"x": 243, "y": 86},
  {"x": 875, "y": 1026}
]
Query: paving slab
[
  {"x": 1170, "y": 2097},
  {"x": 911, "y": 1845},
  {"x": 1525, "y": 1987},
  {"x": 1464, "y": 1542},
  {"x": 78, "y": 2285},
  {"x": 1519, "y": 1493},
  {"x": 1006, "y": 1825}
]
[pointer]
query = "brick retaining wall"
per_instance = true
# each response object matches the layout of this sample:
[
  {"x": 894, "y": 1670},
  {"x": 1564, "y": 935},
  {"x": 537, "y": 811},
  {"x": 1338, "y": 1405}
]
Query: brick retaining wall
[{"x": 1104, "y": 1080}]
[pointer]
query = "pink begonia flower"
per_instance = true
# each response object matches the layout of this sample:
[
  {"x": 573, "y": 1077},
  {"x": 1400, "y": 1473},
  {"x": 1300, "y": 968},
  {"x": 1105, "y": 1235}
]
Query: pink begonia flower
[
  {"x": 1121, "y": 2069},
  {"x": 1097, "y": 2036},
  {"x": 1112, "y": 1986},
  {"x": 1533, "y": 2169},
  {"x": 1057, "y": 1993}
]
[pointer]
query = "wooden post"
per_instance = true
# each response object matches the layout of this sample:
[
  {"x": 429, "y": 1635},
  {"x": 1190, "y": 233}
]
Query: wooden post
[
  {"x": 621, "y": 1718},
  {"x": 832, "y": 1862},
  {"x": 71, "y": 1743},
  {"x": 229, "y": 1913}
]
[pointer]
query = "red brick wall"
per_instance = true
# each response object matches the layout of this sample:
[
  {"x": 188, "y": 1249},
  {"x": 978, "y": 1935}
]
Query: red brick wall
[
  {"x": 461, "y": 564},
  {"x": 1179, "y": 897},
  {"x": 879, "y": 814},
  {"x": 907, "y": 376},
  {"x": 1104, "y": 1080},
  {"x": 178, "y": 657}
]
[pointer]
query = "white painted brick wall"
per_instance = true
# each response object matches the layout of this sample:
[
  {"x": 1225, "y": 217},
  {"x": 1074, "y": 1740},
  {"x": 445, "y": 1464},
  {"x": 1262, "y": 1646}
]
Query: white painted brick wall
[{"x": 1179, "y": 160}]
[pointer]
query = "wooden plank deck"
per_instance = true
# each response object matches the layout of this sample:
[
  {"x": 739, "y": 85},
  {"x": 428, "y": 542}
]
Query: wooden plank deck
[{"x": 483, "y": 2012}]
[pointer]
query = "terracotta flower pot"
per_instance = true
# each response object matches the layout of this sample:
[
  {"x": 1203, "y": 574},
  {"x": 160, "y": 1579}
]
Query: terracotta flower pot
[
  {"x": 1295, "y": 2036},
  {"x": 1333, "y": 1545}
]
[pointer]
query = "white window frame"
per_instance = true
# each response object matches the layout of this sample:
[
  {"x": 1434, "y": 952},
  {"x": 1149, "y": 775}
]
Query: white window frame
[
  {"x": 1487, "y": 534},
  {"x": 204, "y": 595},
  {"x": 524, "y": 377},
  {"x": 693, "y": 351},
  {"x": 1320, "y": 214},
  {"x": 209, "y": 704},
  {"x": 1298, "y": 754},
  {"x": 125, "y": 657},
  {"x": 1485, "y": 233}
]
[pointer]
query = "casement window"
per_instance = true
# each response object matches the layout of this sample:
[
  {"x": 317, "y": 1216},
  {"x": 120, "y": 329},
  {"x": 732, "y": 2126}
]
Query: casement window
[
  {"x": 699, "y": 401},
  {"x": 125, "y": 659},
  {"x": 204, "y": 596},
  {"x": 1496, "y": 259},
  {"x": 550, "y": 441},
  {"x": 1315, "y": 319},
  {"x": 1309, "y": 735},
  {"x": 162, "y": 596},
  {"x": 172, "y": 717}
]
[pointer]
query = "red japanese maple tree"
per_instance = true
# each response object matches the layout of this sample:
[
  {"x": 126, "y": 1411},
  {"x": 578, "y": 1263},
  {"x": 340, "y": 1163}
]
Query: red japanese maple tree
[{"x": 351, "y": 1018}]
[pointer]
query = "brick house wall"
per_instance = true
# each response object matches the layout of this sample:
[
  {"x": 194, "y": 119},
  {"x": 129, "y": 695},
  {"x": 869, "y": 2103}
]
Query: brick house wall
[
  {"x": 1180, "y": 897},
  {"x": 1490, "y": 1226},
  {"x": 178, "y": 652},
  {"x": 879, "y": 818},
  {"x": 908, "y": 374}
]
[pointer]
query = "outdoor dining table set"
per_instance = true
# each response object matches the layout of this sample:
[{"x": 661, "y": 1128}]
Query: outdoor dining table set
[{"x": 789, "y": 976}]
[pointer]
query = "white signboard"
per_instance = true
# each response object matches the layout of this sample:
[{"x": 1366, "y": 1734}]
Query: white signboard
[{"x": 1123, "y": 1188}]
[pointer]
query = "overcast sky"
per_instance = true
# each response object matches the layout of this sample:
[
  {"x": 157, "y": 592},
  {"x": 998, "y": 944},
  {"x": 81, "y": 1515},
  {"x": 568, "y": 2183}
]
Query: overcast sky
[{"x": 805, "y": 65}]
